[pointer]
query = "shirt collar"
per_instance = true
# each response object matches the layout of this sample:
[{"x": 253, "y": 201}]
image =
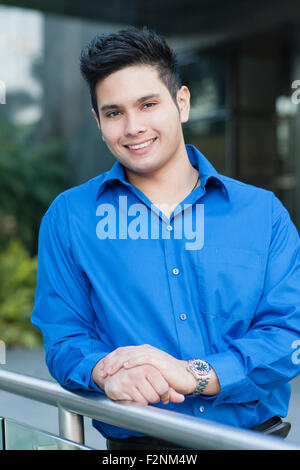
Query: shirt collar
[
  {"x": 197, "y": 159},
  {"x": 206, "y": 170}
]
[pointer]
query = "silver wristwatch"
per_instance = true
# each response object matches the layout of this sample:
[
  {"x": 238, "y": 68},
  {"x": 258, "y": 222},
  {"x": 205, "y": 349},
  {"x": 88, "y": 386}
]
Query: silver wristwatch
[{"x": 201, "y": 370}]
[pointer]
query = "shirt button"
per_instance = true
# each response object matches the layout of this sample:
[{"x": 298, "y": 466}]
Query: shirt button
[
  {"x": 175, "y": 271},
  {"x": 169, "y": 228},
  {"x": 201, "y": 409},
  {"x": 183, "y": 316}
]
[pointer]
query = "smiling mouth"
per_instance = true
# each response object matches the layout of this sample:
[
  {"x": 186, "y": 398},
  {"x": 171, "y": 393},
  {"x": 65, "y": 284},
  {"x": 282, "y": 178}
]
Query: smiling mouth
[{"x": 142, "y": 145}]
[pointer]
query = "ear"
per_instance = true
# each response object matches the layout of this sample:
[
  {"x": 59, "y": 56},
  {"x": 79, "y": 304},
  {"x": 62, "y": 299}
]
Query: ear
[
  {"x": 183, "y": 100},
  {"x": 97, "y": 119}
]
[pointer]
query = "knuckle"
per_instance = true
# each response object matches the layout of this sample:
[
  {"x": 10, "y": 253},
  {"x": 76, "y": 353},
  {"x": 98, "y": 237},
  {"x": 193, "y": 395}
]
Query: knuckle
[
  {"x": 155, "y": 398},
  {"x": 143, "y": 402},
  {"x": 125, "y": 382},
  {"x": 141, "y": 359},
  {"x": 111, "y": 393},
  {"x": 162, "y": 386},
  {"x": 132, "y": 373},
  {"x": 113, "y": 387},
  {"x": 149, "y": 369}
]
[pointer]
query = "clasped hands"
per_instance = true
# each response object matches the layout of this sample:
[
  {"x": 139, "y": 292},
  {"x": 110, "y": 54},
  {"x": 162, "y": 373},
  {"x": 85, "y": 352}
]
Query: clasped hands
[{"x": 143, "y": 374}]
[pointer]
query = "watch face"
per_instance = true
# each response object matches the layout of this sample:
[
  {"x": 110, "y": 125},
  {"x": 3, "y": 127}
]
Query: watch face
[{"x": 200, "y": 367}]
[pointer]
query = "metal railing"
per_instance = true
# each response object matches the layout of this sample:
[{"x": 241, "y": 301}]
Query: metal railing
[{"x": 186, "y": 431}]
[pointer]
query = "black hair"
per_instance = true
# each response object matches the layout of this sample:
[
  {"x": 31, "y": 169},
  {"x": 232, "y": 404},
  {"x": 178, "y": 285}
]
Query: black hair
[{"x": 106, "y": 54}]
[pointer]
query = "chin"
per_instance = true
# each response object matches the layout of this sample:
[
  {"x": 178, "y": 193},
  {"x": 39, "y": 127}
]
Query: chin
[{"x": 142, "y": 166}]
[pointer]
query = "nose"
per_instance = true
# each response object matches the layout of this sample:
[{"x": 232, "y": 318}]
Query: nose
[{"x": 133, "y": 125}]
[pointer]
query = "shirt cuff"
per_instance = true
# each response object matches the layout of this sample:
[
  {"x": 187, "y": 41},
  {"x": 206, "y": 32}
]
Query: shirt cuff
[
  {"x": 235, "y": 384},
  {"x": 83, "y": 374},
  {"x": 230, "y": 374}
]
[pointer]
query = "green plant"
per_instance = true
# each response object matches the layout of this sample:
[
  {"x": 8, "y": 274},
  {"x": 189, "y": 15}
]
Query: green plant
[
  {"x": 31, "y": 175},
  {"x": 17, "y": 288}
]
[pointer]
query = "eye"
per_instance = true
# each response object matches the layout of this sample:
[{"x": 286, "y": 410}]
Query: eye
[
  {"x": 149, "y": 105},
  {"x": 112, "y": 114}
]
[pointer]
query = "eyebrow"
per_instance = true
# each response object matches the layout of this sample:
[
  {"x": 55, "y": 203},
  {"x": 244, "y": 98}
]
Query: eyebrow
[{"x": 106, "y": 107}]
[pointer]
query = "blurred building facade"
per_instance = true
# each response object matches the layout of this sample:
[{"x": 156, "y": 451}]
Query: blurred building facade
[{"x": 239, "y": 59}]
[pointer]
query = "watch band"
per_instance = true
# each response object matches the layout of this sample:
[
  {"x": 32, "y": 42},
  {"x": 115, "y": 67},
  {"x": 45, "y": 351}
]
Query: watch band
[{"x": 200, "y": 387}]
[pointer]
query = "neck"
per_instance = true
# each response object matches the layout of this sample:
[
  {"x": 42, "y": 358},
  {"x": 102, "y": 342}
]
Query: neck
[{"x": 168, "y": 185}]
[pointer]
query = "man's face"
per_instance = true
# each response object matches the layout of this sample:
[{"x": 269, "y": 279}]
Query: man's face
[{"x": 139, "y": 120}]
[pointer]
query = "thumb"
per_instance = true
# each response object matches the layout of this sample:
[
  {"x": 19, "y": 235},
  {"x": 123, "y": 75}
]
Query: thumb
[{"x": 175, "y": 397}]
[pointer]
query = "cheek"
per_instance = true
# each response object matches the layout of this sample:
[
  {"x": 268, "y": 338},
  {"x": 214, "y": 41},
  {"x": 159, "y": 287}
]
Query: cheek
[
  {"x": 164, "y": 124},
  {"x": 171, "y": 129},
  {"x": 111, "y": 132}
]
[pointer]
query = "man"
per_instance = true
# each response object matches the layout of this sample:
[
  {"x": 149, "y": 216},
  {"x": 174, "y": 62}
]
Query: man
[{"x": 161, "y": 281}]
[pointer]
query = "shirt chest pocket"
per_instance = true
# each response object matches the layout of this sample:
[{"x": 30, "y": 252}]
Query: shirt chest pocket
[{"x": 231, "y": 281}]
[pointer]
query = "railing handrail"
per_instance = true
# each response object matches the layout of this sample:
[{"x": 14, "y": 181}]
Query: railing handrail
[{"x": 187, "y": 431}]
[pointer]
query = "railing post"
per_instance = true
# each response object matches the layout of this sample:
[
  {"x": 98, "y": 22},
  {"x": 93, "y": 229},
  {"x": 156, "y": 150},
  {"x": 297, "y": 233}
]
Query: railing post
[{"x": 71, "y": 425}]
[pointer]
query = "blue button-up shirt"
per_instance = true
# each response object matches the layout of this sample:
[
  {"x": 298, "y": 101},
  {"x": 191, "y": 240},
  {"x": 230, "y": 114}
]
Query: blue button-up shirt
[{"x": 219, "y": 280}]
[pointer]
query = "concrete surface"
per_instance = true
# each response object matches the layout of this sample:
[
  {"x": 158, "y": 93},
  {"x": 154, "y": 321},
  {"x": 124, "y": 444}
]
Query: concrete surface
[{"x": 45, "y": 417}]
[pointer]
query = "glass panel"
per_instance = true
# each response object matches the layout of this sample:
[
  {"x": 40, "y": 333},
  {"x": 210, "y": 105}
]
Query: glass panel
[
  {"x": 21, "y": 437},
  {"x": 1, "y": 433},
  {"x": 287, "y": 180},
  {"x": 205, "y": 77}
]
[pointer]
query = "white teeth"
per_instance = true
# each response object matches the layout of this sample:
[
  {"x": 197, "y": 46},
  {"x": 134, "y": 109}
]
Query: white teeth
[{"x": 140, "y": 146}]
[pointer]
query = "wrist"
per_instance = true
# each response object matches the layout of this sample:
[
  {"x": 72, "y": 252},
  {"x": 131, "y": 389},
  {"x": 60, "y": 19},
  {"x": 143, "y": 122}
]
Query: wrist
[
  {"x": 213, "y": 387},
  {"x": 190, "y": 380},
  {"x": 206, "y": 379},
  {"x": 97, "y": 377}
]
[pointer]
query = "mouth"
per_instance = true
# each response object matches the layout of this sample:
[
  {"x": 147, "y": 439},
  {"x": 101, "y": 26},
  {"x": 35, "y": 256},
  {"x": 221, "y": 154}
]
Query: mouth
[{"x": 142, "y": 146}]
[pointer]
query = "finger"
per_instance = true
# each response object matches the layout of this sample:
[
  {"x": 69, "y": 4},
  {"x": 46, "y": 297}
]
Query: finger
[
  {"x": 140, "y": 360},
  {"x": 114, "y": 368},
  {"x": 151, "y": 360},
  {"x": 159, "y": 383},
  {"x": 116, "y": 393},
  {"x": 148, "y": 391},
  {"x": 105, "y": 364},
  {"x": 139, "y": 382},
  {"x": 165, "y": 398},
  {"x": 114, "y": 361},
  {"x": 138, "y": 396},
  {"x": 176, "y": 397},
  {"x": 138, "y": 386},
  {"x": 123, "y": 397},
  {"x": 124, "y": 392}
]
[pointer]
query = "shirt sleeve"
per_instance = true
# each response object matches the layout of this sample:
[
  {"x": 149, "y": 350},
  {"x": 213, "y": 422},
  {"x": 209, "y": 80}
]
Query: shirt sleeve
[
  {"x": 263, "y": 359},
  {"x": 62, "y": 308}
]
